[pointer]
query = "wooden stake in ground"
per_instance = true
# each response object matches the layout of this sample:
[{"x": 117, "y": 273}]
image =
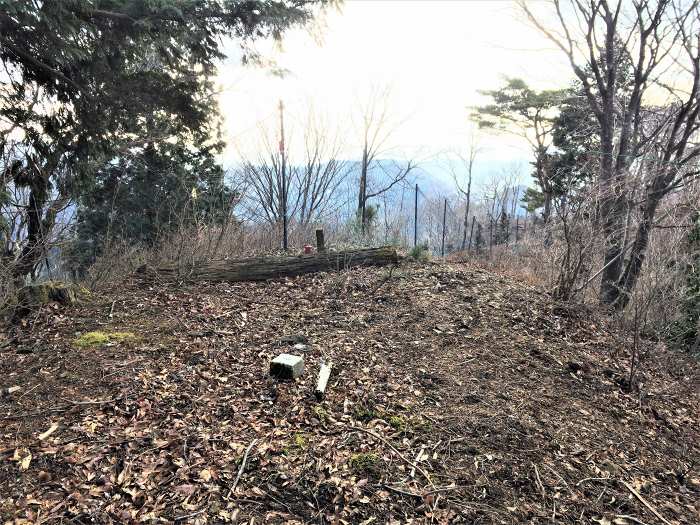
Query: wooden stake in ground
[
  {"x": 320, "y": 241},
  {"x": 323, "y": 376}
]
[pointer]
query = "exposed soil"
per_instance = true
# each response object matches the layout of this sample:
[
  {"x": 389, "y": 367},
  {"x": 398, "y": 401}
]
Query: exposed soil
[{"x": 457, "y": 396}]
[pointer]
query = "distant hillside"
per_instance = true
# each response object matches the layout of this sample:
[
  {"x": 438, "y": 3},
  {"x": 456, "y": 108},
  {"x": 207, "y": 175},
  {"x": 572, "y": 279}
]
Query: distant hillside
[{"x": 435, "y": 178}]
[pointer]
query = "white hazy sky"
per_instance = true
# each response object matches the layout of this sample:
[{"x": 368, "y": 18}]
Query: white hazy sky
[{"x": 434, "y": 54}]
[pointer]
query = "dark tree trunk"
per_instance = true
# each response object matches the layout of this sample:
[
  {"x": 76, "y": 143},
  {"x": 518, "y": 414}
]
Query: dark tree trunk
[
  {"x": 362, "y": 197},
  {"x": 466, "y": 228},
  {"x": 612, "y": 216},
  {"x": 637, "y": 255},
  {"x": 41, "y": 218},
  {"x": 628, "y": 279},
  {"x": 466, "y": 211},
  {"x": 547, "y": 211},
  {"x": 471, "y": 233}
]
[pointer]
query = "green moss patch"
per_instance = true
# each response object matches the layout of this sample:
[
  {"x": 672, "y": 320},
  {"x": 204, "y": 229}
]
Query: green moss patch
[
  {"x": 398, "y": 423},
  {"x": 365, "y": 413},
  {"x": 364, "y": 463},
  {"x": 98, "y": 338},
  {"x": 321, "y": 414},
  {"x": 298, "y": 443}
]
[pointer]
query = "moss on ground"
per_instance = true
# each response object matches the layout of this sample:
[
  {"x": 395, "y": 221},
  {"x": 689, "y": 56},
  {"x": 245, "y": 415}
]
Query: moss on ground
[
  {"x": 398, "y": 423},
  {"x": 364, "y": 463},
  {"x": 99, "y": 338},
  {"x": 321, "y": 414},
  {"x": 365, "y": 413},
  {"x": 298, "y": 443}
]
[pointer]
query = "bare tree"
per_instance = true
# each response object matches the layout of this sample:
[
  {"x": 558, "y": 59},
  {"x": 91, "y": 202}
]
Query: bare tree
[
  {"x": 466, "y": 164},
  {"x": 377, "y": 175},
  {"x": 314, "y": 174},
  {"x": 601, "y": 38}
]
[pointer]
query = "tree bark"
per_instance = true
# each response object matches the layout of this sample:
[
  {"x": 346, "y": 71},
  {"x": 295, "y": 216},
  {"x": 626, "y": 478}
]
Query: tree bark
[
  {"x": 362, "y": 203},
  {"x": 41, "y": 218},
  {"x": 266, "y": 268},
  {"x": 547, "y": 211},
  {"x": 471, "y": 233},
  {"x": 466, "y": 210},
  {"x": 636, "y": 260},
  {"x": 656, "y": 191}
]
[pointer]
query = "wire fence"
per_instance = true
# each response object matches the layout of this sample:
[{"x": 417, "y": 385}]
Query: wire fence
[
  {"x": 439, "y": 224},
  {"x": 446, "y": 224}
]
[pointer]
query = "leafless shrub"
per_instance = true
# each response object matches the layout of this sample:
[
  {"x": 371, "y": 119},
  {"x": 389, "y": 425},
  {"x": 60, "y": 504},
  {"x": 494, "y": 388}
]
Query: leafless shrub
[{"x": 118, "y": 260}]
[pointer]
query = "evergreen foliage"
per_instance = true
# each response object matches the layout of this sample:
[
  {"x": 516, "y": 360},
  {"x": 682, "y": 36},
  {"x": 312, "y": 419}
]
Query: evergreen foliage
[
  {"x": 503, "y": 228},
  {"x": 517, "y": 108},
  {"x": 91, "y": 82},
  {"x": 149, "y": 195}
]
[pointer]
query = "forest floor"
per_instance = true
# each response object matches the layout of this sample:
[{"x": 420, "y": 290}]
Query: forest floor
[{"x": 458, "y": 395}]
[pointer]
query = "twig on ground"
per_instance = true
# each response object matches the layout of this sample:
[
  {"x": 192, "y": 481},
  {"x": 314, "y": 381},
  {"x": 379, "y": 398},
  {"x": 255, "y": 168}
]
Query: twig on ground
[
  {"x": 35, "y": 414},
  {"x": 539, "y": 481},
  {"x": 25, "y": 393},
  {"x": 559, "y": 476},
  {"x": 61, "y": 409},
  {"x": 50, "y": 431},
  {"x": 407, "y": 461},
  {"x": 98, "y": 402},
  {"x": 421, "y": 494},
  {"x": 404, "y": 492},
  {"x": 7, "y": 343},
  {"x": 188, "y": 516},
  {"x": 592, "y": 479},
  {"x": 644, "y": 502},
  {"x": 628, "y": 517},
  {"x": 242, "y": 467},
  {"x": 441, "y": 489}
]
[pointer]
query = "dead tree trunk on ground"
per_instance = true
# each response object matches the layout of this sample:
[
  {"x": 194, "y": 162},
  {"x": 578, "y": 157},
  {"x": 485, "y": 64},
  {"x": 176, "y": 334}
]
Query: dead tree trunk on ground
[{"x": 265, "y": 268}]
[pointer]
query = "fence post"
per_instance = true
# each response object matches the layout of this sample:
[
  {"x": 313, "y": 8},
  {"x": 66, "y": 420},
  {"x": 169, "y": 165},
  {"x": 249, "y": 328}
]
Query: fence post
[
  {"x": 444, "y": 218},
  {"x": 320, "y": 242},
  {"x": 415, "y": 220}
]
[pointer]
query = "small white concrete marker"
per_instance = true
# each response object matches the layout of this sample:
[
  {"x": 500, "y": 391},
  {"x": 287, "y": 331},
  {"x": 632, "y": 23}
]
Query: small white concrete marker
[
  {"x": 287, "y": 366},
  {"x": 322, "y": 382},
  {"x": 301, "y": 347}
]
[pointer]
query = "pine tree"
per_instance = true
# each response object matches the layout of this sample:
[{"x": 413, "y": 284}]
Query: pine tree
[
  {"x": 503, "y": 229},
  {"x": 517, "y": 108},
  {"x": 142, "y": 198}
]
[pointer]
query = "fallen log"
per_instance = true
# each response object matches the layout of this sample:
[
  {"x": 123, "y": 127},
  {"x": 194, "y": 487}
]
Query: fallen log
[{"x": 267, "y": 268}]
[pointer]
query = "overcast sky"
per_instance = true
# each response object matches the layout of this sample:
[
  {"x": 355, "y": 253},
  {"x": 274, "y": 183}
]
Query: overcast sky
[{"x": 435, "y": 55}]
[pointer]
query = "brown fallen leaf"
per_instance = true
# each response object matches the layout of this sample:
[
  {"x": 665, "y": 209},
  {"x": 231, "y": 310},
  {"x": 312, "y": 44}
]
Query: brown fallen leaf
[
  {"x": 23, "y": 457},
  {"x": 185, "y": 490}
]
